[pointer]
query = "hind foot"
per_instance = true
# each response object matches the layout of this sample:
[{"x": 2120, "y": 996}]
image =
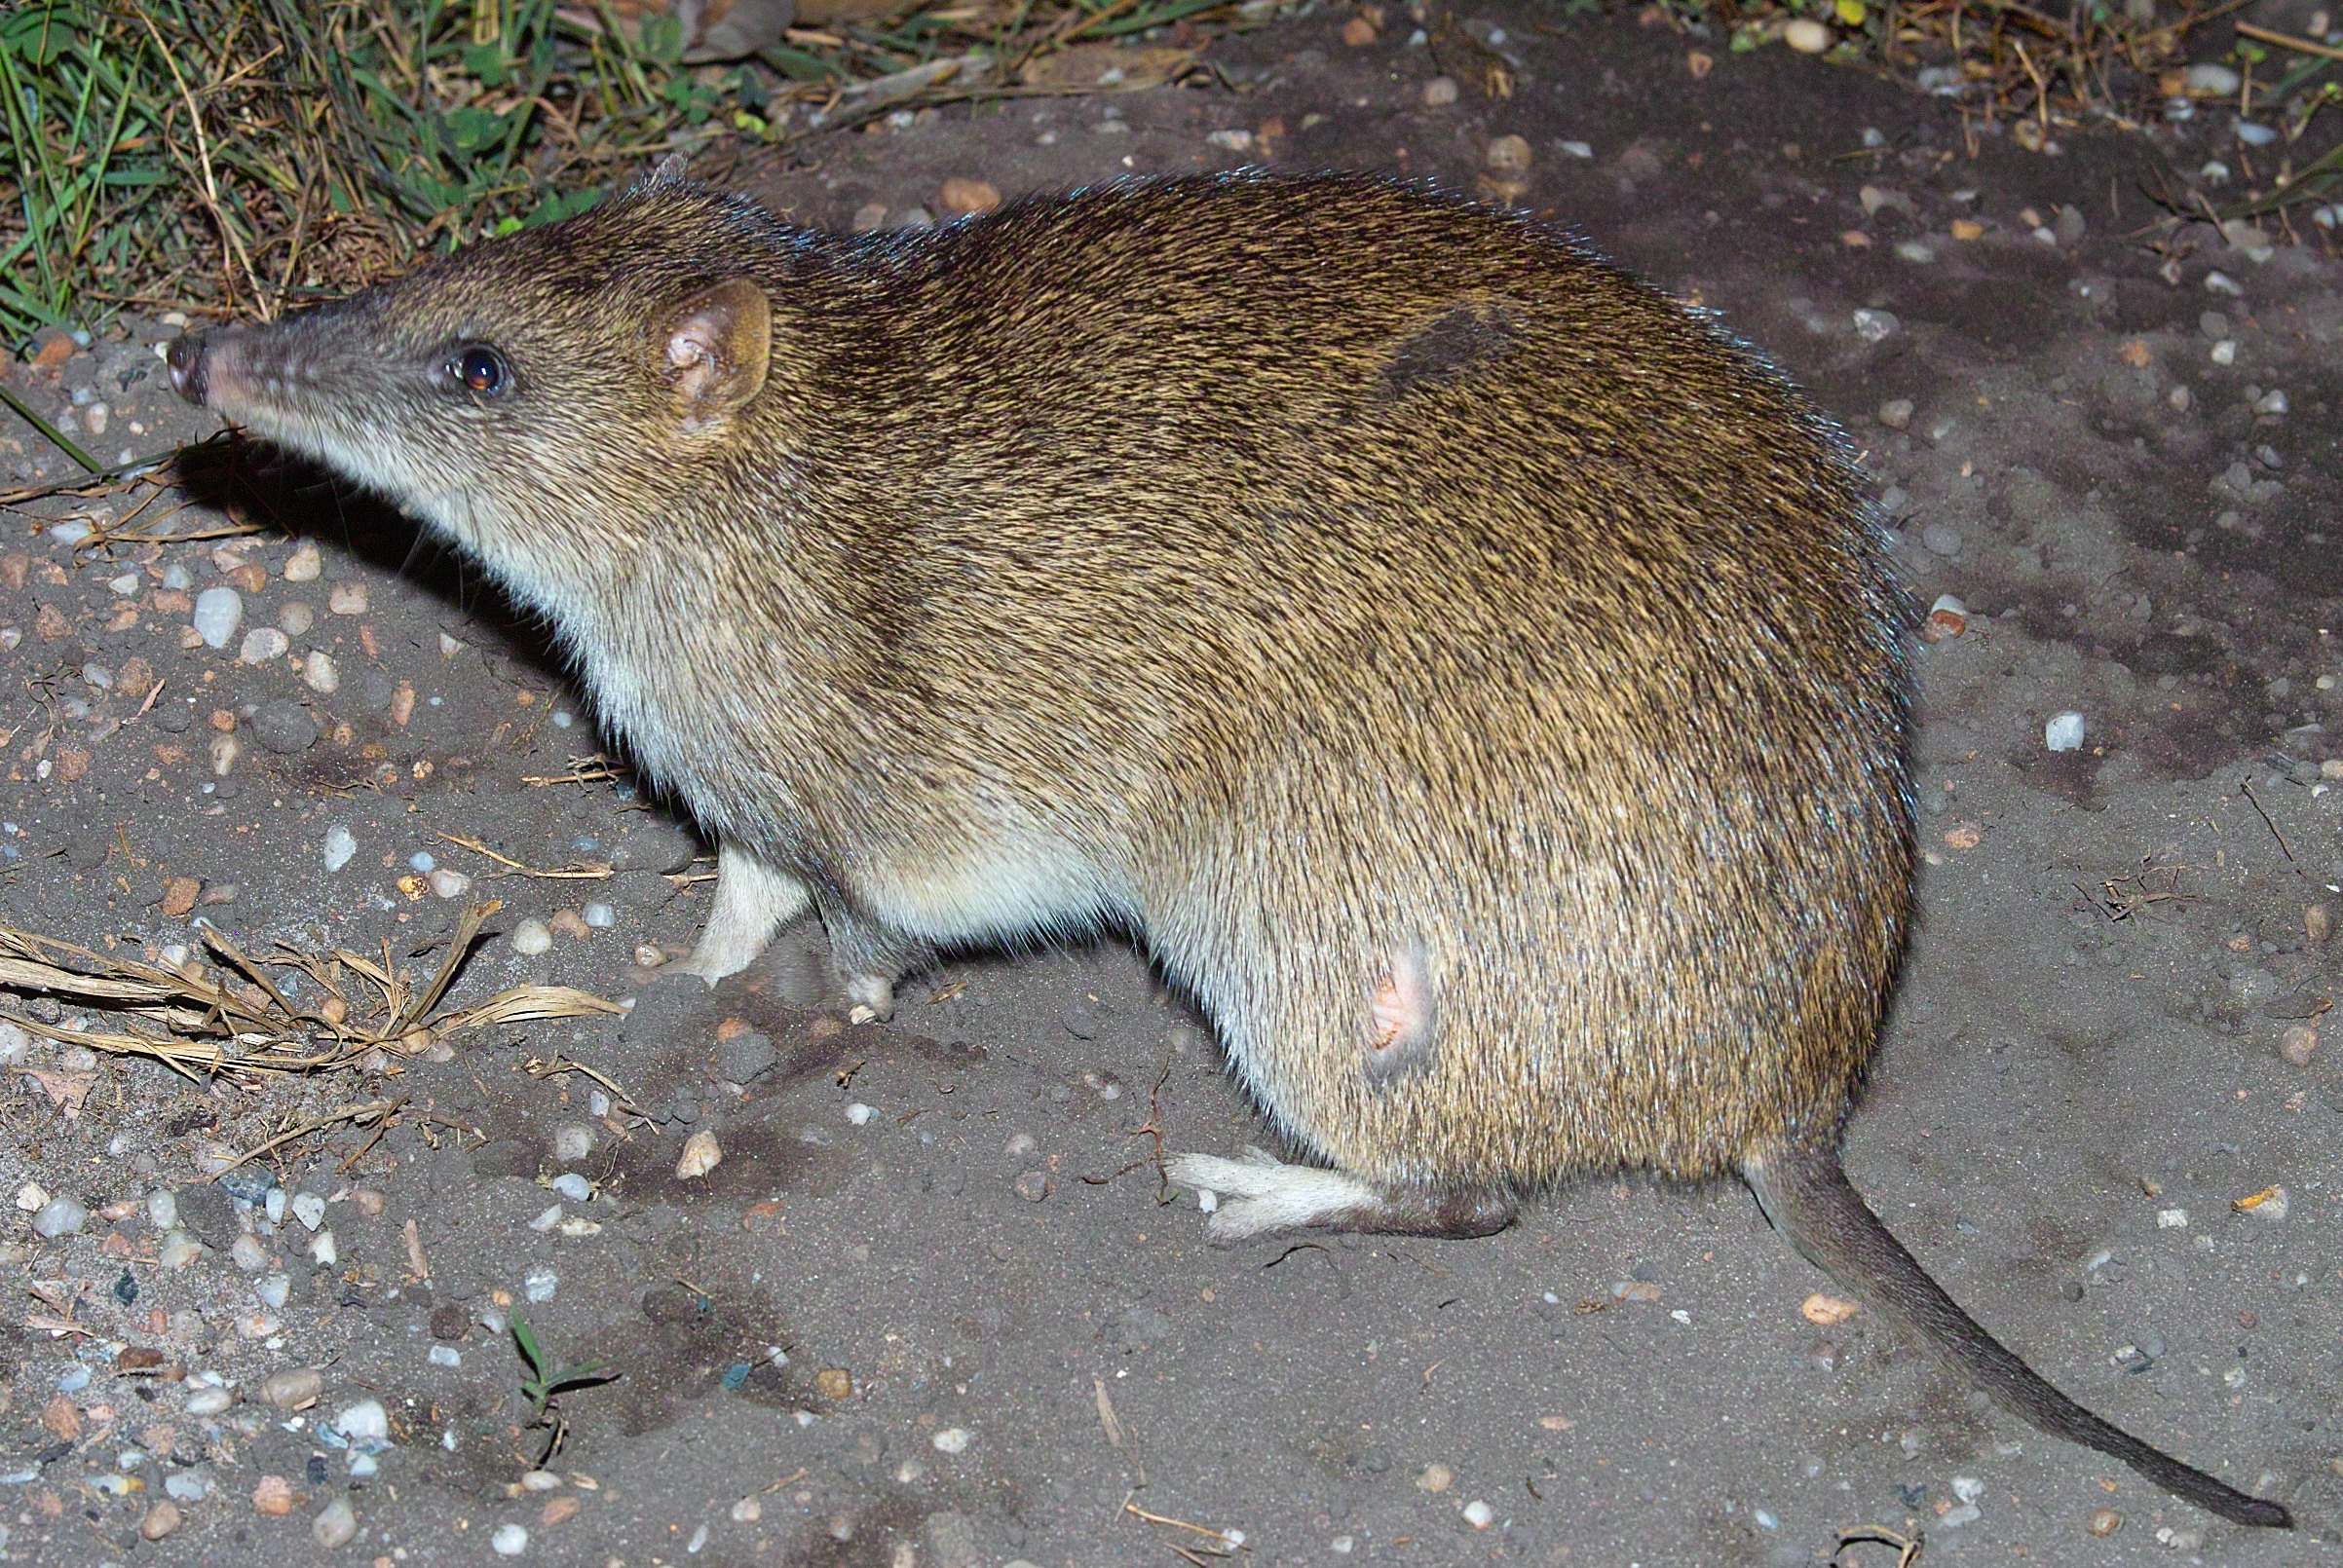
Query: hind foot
[
  {"x": 1263, "y": 1196},
  {"x": 870, "y": 958},
  {"x": 753, "y": 901}
]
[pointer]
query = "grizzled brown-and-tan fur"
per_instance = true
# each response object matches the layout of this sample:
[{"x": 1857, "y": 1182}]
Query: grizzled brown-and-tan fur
[{"x": 1474, "y": 676}]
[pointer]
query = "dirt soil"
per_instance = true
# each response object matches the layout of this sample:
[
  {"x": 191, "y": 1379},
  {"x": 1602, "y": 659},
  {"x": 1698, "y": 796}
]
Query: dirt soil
[{"x": 934, "y": 1307}]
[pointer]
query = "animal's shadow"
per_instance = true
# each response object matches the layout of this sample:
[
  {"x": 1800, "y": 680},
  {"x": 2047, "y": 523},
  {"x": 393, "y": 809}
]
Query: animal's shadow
[{"x": 252, "y": 480}]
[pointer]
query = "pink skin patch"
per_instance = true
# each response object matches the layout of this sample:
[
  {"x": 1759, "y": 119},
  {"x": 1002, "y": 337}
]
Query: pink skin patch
[{"x": 1400, "y": 1016}]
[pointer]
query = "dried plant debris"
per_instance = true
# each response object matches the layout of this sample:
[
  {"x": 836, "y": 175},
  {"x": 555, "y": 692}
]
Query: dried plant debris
[{"x": 232, "y": 1019}]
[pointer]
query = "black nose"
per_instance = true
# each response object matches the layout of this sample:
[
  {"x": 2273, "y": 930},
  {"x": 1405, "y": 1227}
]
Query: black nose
[{"x": 186, "y": 360}]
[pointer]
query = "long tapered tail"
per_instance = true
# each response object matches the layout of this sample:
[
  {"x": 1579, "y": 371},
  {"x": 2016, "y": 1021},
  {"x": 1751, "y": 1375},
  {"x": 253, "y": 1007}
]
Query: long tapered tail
[{"x": 1809, "y": 1200}]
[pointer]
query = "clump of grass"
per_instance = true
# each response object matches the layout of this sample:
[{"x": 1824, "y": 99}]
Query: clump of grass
[
  {"x": 543, "y": 1381},
  {"x": 232, "y": 156}
]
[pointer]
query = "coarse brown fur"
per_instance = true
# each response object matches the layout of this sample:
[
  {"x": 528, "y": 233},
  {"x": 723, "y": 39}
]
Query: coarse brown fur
[{"x": 1372, "y": 601}]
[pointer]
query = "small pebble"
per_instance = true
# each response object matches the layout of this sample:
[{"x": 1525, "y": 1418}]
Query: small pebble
[
  {"x": 1895, "y": 413},
  {"x": 263, "y": 645},
  {"x": 573, "y": 1186},
  {"x": 598, "y": 916},
  {"x": 159, "y": 1520},
  {"x": 1479, "y": 1514},
  {"x": 1439, "y": 91},
  {"x": 1033, "y": 1186},
  {"x": 347, "y": 599},
  {"x": 61, "y": 1215},
  {"x": 335, "y": 1525},
  {"x": 540, "y": 1284},
  {"x": 303, "y": 564},
  {"x": 2064, "y": 732},
  {"x": 701, "y": 1153},
  {"x": 1876, "y": 326},
  {"x": 573, "y": 1142},
  {"x": 2105, "y": 1522},
  {"x": 447, "y": 883},
  {"x": 531, "y": 936},
  {"x": 209, "y": 1402},
  {"x": 363, "y": 1422},
  {"x": 2212, "y": 80},
  {"x": 952, "y": 1441},
  {"x": 319, "y": 673},
  {"x": 285, "y": 726},
  {"x": 510, "y": 1541},
  {"x": 1806, "y": 35},
  {"x": 273, "y": 1289},
  {"x": 163, "y": 1209},
  {"x": 292, "y": 1388},
  {"x": 247, "y": 1254},
  {"x": 1508, "y": 155},
  {"x": 340, "y": 846},
  {"x": 179, "y": 1250},
  {"x": 218, "y": 611}
]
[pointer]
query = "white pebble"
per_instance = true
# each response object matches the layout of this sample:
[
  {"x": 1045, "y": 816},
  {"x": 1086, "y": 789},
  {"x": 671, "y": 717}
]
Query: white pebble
[
  {"x": 2172, "y": 1219},
  {"x": 572, "y": 1142},
  {"x": 446, "y": 883},
  {"x": 163, "y": 1209},
  {"x": 1479, "y": 1514},
  {"x": 600, "y": 917},
  {"x": 2223, "y": 353},
  {"x": 302, "y": 564},
  {"x": 1968, "y": 1488},
  {"x": 540, "y": 1285},
  {"x": 247, "y": 1254},
  {"x": 179, "y": 1250},
  {"x": 952, "y": 1441},
  {"x": 2064, "y": 732},
  {"x": 309, "y": 1209},
  {"x": 324, "y": 1251},
  {"x": 859, "y": 1114},
  {"x": 510, "y": 1541},
  {"x": 208, "y": 1402},
  {"x": 1806, "y": 35},
  {"x": 2212, "y": 80},
  {"x": 340, "y": 846},
  {"x": 319, "y": 673},
  {"x": 2221, "y": 282},
  {"x": 272, "y": 1206},
  {"x": 1876, "y": 326},
  {"x": 531, "y": 936},
  {"x": 335, "y": 1525},
  {"x": 2271, "y": 402},
  {"x": 547, "y": 1220},
  {"x": 218, "y": 611},
  {"x": 573, "y": 1186},
  {"x": 61, "y": 1215},
  {"x": 363, "y": 1422},
  {"x": 446, "y": 1355},
  {"x": 273, "y": 1289},
  {"x": 263, "y": 645}
]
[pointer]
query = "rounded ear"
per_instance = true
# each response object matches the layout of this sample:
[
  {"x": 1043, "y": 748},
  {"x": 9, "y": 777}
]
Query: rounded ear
[{"x": 717, "y": 348}]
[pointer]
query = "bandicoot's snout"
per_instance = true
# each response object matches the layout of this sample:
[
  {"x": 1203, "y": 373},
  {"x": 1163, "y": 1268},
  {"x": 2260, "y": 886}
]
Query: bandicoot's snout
[{"x": 190, "y": 359}]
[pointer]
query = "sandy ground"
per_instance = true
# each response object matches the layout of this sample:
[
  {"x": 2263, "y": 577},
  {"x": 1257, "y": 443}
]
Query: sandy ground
[{"x": 933, "y": 1307}]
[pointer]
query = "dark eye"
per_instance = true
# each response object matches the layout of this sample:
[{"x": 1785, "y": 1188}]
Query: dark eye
[{"x": 481, "y": 370}]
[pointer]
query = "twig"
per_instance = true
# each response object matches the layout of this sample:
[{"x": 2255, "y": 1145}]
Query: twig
[
  {"x": 371, "y": 1110},
  {"x": 2246, "y": 785},
  {"x": 2301, "y": 46}
]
